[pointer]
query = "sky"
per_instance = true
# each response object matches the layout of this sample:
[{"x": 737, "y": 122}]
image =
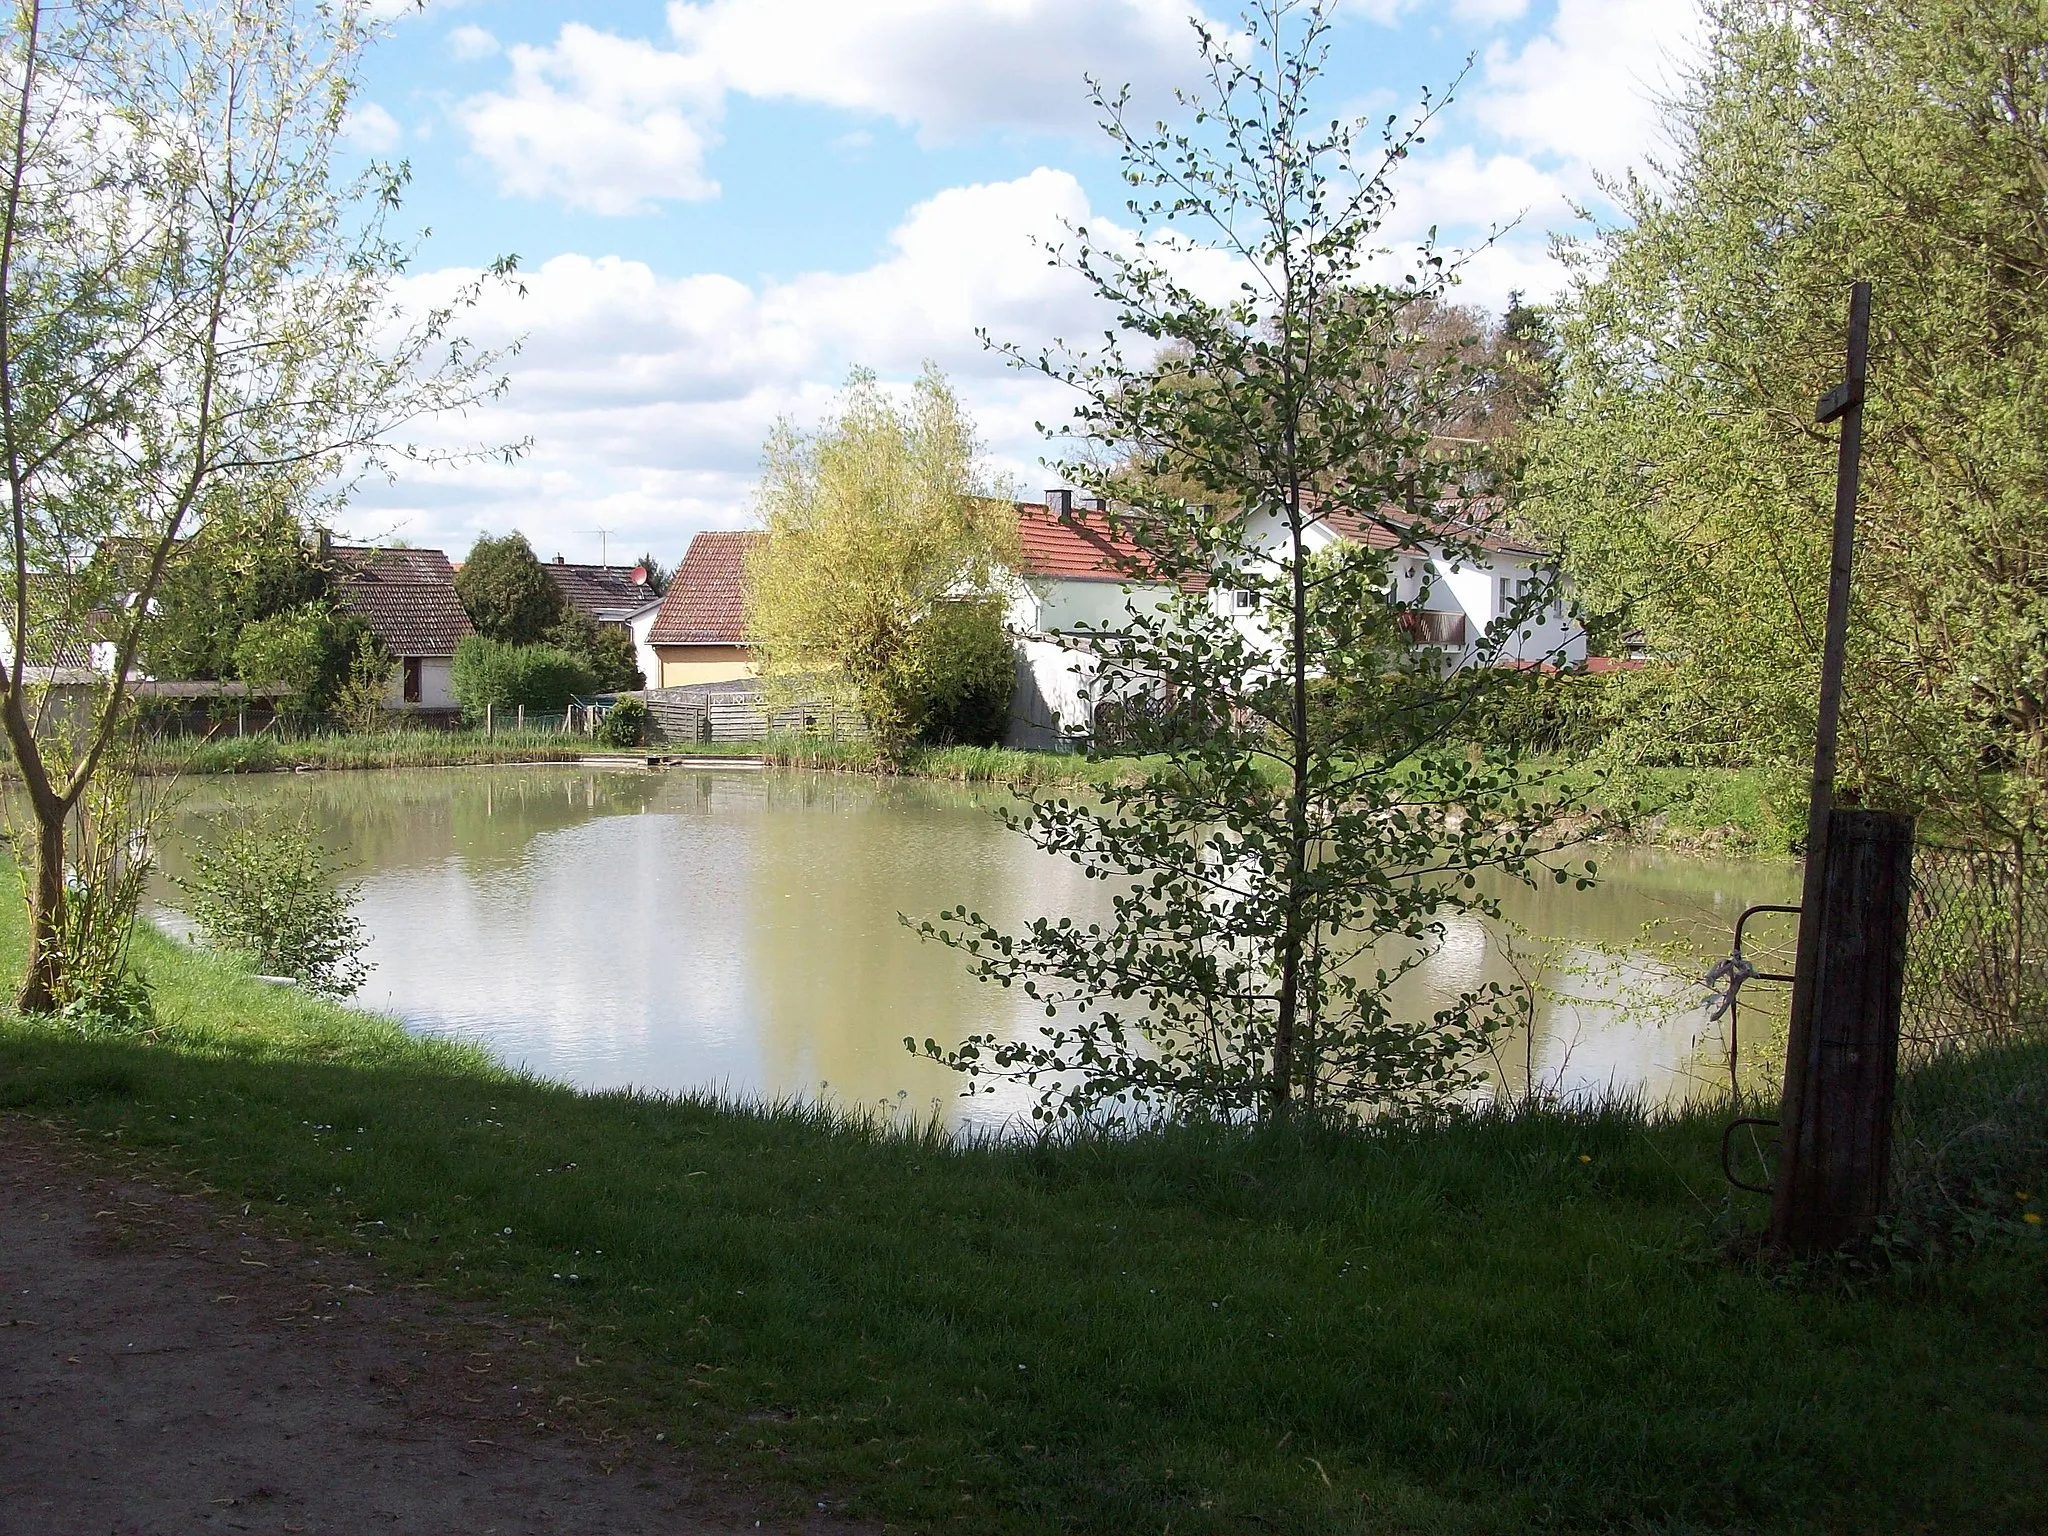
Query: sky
[{"x": 720, "y": 207}]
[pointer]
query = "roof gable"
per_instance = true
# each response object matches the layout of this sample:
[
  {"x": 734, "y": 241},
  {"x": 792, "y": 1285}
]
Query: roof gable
[{"x": 706, "y": 601}]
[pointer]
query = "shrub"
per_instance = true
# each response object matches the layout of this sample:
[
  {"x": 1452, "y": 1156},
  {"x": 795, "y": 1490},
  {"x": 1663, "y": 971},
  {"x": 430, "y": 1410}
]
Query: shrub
[
  {"x": 266, "y": 890},
  {"x": 954, "y": 680},
  {"x": 507, "y": 591},
  {"x": 625, "y": 725},
  {"x": 310, "y": 649},
  {"x": 490, "y": 674}
]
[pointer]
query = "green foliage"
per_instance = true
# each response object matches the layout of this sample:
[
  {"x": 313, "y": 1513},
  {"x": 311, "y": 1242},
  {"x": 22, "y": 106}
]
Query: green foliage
[
  {"x": 873, "y": 523},
  {"x": 624, "y": 724},
  {"x": 1283, "y": 867},
  {"x": 607, "y": 648},
  {"x": 251, "y": 559},
  {"x": 265, "y": 889},
  {"x": 360, "y": 699},
  {"x": 953, "y": 683},
  {"x": 543, "y": 678},
  {"x": 508, "y": 593},
  {"x": 314, "y": 649},
  {"x": 1819, "y": 141}
]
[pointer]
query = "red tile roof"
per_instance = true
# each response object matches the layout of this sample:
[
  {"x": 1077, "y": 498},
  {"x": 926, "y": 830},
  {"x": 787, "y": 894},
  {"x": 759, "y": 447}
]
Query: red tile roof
[
  {"x": 706, "y": 602},
  {"x": 406, "y": 596},
  {"x": 1078, "y": 547}
]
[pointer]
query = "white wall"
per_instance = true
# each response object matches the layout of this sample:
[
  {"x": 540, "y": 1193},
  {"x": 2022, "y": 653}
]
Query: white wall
[
  {"x": 640, "y": 626},
  {"x": 435, "y": 689}
]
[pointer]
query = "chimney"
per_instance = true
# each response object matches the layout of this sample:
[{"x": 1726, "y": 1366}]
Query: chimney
[
  {"x": 1093, "y": 504},
  {"x": 559, "y": 560},
  {"x": 1060, "y": 503}
]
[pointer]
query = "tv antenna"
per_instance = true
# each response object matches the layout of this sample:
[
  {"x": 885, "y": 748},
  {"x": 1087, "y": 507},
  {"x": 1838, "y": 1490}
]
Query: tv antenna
[{"x": 603, "y": 545}]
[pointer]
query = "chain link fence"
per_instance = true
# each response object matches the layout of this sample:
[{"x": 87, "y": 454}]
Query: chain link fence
[{"x": 1971, "y": 1126}]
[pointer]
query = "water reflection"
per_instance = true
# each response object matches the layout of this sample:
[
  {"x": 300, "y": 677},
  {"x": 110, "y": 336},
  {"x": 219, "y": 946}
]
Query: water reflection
[{"x": 740, "y": 930}]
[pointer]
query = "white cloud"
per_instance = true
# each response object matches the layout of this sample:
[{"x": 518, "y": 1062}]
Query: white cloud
[
  {"x": 945, "y": 66},
  {"x": 371, "y": 129},
  {"x": 470, "y": 41},
  {"x": 1586, "y": 89},
  {"x": 612, "y": 124},
  {"x": 607, "y": 124},
  {"x": 648, "y": 397}
]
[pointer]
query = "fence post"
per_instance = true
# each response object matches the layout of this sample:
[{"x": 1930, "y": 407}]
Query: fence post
[
  {"x": 519, "y": 717},
  {"x": 487, "y": 720},
  {"x": 1834, "y": 1144}
]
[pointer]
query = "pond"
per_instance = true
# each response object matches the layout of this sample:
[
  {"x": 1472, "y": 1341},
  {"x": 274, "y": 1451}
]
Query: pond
[{"x": 739, "y": 931}]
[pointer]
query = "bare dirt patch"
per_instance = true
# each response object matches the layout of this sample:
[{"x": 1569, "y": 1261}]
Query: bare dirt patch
[{"x": 166, "y": 1366}]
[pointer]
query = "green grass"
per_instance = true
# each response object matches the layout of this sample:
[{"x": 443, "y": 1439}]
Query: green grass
[
  {"x": 1515, "y": 1324},
  {"x": 382, "y": 749}
]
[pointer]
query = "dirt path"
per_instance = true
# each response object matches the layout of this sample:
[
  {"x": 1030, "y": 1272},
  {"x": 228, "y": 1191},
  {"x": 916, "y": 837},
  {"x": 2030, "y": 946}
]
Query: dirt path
[{"x": 166, "y": 1368}]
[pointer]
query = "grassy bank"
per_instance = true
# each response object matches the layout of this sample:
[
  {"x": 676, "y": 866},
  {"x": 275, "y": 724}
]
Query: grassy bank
[
  {"x": 1506, "y": 1325},
  {"x": 380, "y": 749}
]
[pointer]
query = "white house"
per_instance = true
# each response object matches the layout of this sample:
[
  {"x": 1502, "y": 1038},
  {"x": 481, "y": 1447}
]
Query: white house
[{"x": 1076, "y": 572}]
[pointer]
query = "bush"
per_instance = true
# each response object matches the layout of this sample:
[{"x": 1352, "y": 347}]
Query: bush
[
  {"x": 490, "y": 674},
  {"x": 310, "y": 649},
  {"x": 625, "y": 724},
  {"x": 954, "y": 683},
  {"x": 1568, "y": 713},
  {"x": 266, "y": 890}
]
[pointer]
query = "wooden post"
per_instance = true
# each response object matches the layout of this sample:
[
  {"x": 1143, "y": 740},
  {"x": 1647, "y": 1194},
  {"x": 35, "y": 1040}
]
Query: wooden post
[
  {"x": 519, "y": 717},
  {"x": 1834, "y": 1154},
  {"x": 487, "y": 720},
  {"x": 1844, "y": 404}
]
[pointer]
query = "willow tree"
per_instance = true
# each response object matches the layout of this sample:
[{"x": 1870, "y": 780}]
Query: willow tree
[
  {"x": 872, "y": 524},
  {"x": 192, "y": 303},
  {"x": 1313, "y": 816},
  {"x": 1820, "y": 141}
]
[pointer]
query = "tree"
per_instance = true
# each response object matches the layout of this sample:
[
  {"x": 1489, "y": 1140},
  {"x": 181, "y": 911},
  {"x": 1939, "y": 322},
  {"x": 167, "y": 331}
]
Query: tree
[
  {"x": 1286, "y": 865},
  {"x": 1820, "y": 141},
  {"x": 252, "y": 558},
  {"x": 872, "y": 522},
  {"x": 507, "y": 592},
  {"x": 606, "y": 648},
  {"x": 190, "y": 306}
]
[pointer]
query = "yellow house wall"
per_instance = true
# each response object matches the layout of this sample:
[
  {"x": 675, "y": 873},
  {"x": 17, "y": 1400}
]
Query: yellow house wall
[{"x": 682, "y": 664}]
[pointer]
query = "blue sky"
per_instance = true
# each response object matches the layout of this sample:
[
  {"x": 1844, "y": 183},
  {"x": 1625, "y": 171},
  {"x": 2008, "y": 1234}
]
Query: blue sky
[{"x": 722, "y": 205}]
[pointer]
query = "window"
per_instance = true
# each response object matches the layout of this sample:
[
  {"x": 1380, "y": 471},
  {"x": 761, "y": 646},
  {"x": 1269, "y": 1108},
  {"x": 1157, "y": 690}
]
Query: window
[
  {"x": 1243, "y": 600},
  {"x": 412, "y": 680}
]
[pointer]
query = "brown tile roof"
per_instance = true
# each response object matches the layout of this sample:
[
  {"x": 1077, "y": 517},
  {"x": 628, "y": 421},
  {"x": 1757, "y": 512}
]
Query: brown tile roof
[
  {"x": 601, "y": 593},
  {"x": 406, "y": 596},
  {"x": 706, "y": 602}
]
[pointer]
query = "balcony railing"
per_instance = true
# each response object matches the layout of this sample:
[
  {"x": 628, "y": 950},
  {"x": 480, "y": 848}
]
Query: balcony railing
[{"x": 1424, "y": 627}]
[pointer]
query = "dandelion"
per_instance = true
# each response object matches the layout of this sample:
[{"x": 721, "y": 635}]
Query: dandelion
[
  {"x": 1584, "y": 1158},
  {"x": 2032, "y": 1218},
  {"x": 2023, "y": 1195}
]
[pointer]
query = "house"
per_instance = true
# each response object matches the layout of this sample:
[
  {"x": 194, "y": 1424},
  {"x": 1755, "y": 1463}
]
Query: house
[
  {"x": 407, "y": 597},
  {"x": 603, "y": 594},
  {"x": 698, "y": 634},
  {"x": 1076, "y": 572}
]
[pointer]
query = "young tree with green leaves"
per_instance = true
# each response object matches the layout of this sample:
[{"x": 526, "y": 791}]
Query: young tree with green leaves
[
  {"x": 191, "y": 305},
  {"x": 1818, "y": 142},
  {"x": 874, "y": 523},
  {"x": 1287, "y": 863}
]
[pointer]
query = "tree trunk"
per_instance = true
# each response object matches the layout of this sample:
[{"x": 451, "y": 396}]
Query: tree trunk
[{"x": 44, "y": 982}]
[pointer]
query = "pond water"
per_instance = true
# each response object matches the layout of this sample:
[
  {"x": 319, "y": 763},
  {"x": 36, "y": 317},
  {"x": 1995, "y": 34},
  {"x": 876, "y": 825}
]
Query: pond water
[{"x": 739, "y": 931}]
